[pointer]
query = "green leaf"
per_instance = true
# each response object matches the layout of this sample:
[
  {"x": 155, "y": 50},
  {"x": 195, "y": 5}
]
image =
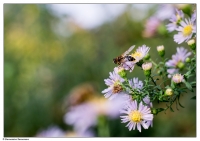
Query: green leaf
[
  {"x": 171, "y": 109},
  {"x": 188, "y": 85},
  {"x": 179, "y": 102},
  {"x": 172, "y": 85}
]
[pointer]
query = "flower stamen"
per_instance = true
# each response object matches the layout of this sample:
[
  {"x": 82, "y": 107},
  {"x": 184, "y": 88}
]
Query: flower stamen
[
  {"x": 117, "y": 88},
  {"x": 187, "y": 30},
  {"x": 135, "y": 116}
]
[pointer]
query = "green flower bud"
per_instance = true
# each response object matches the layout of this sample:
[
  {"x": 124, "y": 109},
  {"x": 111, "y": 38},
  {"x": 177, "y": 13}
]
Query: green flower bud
[
  {"x": 121, "y": 72},
  {"x": 159, "y": 72},
  {"x": 161, "y": 50},
  {"x": 187, "y": 60},
  {"x": 147, "y": 68},
  {"x": 147, "y": 57},
  {"x": 154, "y": 111},
  {"x": 169, "y": 92},
  {"x": 180, "y": 65},
  {"x": 192, "y": 44}
]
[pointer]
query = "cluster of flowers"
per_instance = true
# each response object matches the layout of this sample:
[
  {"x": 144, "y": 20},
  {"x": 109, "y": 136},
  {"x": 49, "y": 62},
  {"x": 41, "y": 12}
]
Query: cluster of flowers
[{"x": 137, "y": 96}]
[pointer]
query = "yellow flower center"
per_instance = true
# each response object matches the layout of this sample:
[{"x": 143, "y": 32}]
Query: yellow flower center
[
  {"x": 135, "y": 116},
  {"x": 136, "y": 54},
  {"x": 187, "y": 30}
]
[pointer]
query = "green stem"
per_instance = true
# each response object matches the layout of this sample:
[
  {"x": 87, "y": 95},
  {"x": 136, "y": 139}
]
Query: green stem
[
  {"x": 153, "y": 81},
  {"x": 153, "y": 62},
  {"x": 103, "y": 129}
]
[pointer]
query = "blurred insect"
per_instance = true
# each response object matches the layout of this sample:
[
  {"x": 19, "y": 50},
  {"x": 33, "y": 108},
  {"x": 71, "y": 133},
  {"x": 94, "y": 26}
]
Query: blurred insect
[{"x": 124, "y": 57}]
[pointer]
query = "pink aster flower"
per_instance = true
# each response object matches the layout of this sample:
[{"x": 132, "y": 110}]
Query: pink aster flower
[
  {"x": 177, "y": 78},
  {"x": 151, "y": 27},
  {"x": 177, "y": 61},
  {"x": 136, "y": 116}
]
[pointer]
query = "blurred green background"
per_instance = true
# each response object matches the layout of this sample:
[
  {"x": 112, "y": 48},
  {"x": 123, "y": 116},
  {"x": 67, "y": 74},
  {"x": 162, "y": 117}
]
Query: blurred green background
[{"x": 46, "y": 55}]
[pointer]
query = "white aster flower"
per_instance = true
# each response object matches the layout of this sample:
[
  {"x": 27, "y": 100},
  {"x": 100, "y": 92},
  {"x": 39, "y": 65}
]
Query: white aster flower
[
  {"x": 186, "y": 31},
  {"x": 114, "y": 83},
  {"x": 137, "y": 115},
  {"x": 160, "y": 48},
  {"x": 146, "y": 66},
  {"x": 177, "y": 61}
]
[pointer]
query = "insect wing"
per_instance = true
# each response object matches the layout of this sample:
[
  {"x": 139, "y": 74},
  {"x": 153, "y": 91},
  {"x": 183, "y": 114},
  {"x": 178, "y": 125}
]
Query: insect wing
[{"x": 128, "y": 51}]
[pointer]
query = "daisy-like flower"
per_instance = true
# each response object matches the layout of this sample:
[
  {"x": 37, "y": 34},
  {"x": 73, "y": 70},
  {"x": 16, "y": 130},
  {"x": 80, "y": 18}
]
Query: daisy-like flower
[
  {"x": 135, "y": 83},
  {"x": 137, "y": 115},
  {"x": 175, "y": 19},
  {"x": 177, "y": 78},
  {"x": 52, "y": 131},
  {"x": 177, "y": 61},
  {"x": 186, "y": 31},
  {"x": 85, "y": 115},
  {"x": 114, "y": 83},
  {"x": 140, "y": 53}
]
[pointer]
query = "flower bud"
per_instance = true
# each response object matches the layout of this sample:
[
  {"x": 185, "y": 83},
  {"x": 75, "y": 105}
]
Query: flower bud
[
  {"x": 159, "y": 72},
  {"x": 177, "y": 78},
  {"x": 187, "y": 60},
  {"x": 169, "y": 92},
  {"x": 161, "y": 50},
  {"x": 147, "y": 57},
  {"x": 154, "y": 111},
  {"x": 192, "y": 44},
  {"x": 180, "y": 65},
  {"x": 147, "y": 68},
  {"x": 120, "y": 71}
]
